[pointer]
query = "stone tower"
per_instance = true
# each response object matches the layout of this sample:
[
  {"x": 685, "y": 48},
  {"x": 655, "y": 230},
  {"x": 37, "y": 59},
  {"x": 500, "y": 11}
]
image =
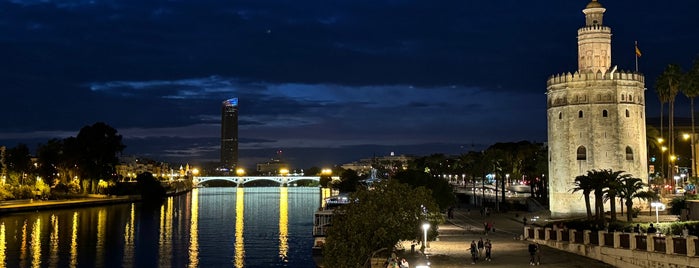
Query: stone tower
[{"x": 596, "y": 117}]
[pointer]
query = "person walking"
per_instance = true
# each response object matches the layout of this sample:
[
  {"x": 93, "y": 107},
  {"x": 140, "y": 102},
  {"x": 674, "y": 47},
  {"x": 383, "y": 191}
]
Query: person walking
[
  {"x": 488, "y": 247},
  {"x": 538, "y": 254},
  {"x": 474, "y": 251},
  {"x": 532, "y": 253},
  {"x": 480, "y": 248}
]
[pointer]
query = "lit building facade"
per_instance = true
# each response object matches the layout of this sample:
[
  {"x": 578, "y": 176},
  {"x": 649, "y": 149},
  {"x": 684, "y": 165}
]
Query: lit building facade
[
  {"x": 596, "y": 117},
  {"x": 229, "y": 133}
]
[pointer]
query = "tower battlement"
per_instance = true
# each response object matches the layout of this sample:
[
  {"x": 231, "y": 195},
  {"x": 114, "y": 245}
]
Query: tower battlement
[
  {"x": 594, "y": 28},
  {"x": 590, "y": 76}
]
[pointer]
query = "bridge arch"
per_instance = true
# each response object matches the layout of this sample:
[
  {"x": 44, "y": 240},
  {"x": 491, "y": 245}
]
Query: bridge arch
[{"x": 241, "y": 180}]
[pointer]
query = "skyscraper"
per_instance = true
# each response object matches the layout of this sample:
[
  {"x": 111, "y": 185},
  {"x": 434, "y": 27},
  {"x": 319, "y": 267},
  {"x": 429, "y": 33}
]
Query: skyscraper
[
  {"x": 596, "y": 117},
  {"x": 229, "y": 133}
]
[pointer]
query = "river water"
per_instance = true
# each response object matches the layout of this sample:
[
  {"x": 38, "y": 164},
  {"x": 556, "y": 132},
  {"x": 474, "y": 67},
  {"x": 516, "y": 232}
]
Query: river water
[{"x": 207, "y": 227}]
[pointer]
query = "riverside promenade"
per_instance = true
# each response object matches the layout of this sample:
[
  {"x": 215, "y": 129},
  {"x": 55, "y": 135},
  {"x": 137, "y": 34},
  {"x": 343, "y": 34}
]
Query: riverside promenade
[
  {"x": 455, "y": 236},
  {"x": 34, "y": 205}
]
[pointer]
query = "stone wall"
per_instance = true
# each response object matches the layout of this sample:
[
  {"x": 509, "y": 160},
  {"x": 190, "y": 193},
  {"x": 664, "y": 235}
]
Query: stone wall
[{"x": 621, "y": 249}]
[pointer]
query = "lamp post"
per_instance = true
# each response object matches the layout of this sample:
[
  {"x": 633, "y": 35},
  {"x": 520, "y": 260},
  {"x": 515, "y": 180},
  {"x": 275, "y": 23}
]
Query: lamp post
[
  {"x": 657, "y": 206},
  {"x": 425, "y": 227}
]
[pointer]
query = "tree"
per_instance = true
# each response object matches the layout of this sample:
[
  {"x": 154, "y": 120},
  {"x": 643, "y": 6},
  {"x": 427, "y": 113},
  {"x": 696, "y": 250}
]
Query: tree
[
  {"x": 378, "y": 219},
  {"x": 584, "y": 183},
  {"x": 613, "y": 183},
  {"x": 49, "y": 157},
  {"x": 690, "y": 88},
  {"x": 18, "y": 162},
  {"x": 442, "y": 192},
  {"x": 349, "y": 181},
  {"x": 95, "y": 152},
  {"x": 669, "y": 83},
  {"x": 629, "y": 189}
]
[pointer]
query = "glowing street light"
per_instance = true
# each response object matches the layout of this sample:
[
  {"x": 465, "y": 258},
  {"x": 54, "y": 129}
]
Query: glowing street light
[
  {"x": 326, "y": 171},
  {"x": 283, "y": 171},
  {"x": 240, "y": 171},
  {"x": 425, "y": 227},
  {"x": 657, "y": 206}
]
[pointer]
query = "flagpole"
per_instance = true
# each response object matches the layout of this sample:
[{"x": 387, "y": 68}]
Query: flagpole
[{"x": 635, "y": 53}]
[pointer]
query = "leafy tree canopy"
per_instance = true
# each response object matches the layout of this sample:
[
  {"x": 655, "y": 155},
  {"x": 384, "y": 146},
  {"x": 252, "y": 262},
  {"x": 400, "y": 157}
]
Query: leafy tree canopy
[
  {"x": 379, "y": 218},
  {"x": 442, "y": 191}
]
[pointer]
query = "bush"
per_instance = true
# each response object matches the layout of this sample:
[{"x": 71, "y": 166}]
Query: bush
[{"x": 6, "y": 192}]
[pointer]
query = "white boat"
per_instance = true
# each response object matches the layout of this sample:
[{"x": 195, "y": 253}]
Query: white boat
[{"x": 322, "y": 220}]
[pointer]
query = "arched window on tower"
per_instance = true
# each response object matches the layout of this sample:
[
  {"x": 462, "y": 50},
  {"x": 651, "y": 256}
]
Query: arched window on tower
[
  {"x": 582, "y": 153},
  {"x": 580, "y": 114},
  {"x": 604, "y": 113},
  {"x": 560, "y": 115},
  {"x": 630, "y": 97},
  {"x": 623, "y": 97},
  {"x": 629, "y": 153},
  {"x": 627, "y": 113}
]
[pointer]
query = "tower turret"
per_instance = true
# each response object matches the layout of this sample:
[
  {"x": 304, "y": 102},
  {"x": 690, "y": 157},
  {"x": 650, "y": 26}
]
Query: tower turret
[{"x": 594, "y": 41}]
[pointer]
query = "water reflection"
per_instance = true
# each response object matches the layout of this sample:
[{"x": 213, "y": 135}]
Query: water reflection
[
  {"x": 129, "y": 232},
  {"x": 194, "y": 231},
  {"x": 101, "y": 223},
  {"x": 53, "y": 242},
  {"x": 23, "y": 245},
  {"x": 165, "y": 237},
  {"x": 206, "y": 228},
  {"x": 74, "y": 242},
  {"x": 3, "y": 245},
  {"x": 239, "y": 223},
  {"x": 36, "y": 243},
  {"x": 283, "y": 223}
]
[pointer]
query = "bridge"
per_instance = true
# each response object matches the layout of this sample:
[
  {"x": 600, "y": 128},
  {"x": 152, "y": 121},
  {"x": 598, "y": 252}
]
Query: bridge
[{"x": 241, "y": 180}]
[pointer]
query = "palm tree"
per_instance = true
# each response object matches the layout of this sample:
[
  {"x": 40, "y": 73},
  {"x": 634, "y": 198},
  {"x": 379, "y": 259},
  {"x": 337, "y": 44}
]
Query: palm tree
[
  {"x": 629, "y": 189},
  {"x": 612, "y": 180},
  {"x": 584, "y": 183},
  {"x": 690, "y": 89},
  {"x": 669, "y": 82}
]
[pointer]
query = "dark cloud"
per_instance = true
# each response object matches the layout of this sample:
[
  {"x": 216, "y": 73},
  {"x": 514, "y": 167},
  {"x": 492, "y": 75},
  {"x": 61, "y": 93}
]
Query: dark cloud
[{"x": 329, "y": 75}]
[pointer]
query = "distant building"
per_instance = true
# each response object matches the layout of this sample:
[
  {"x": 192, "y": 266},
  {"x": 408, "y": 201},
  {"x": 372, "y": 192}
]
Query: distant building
[
  {"x": 229, "y": 133},
  {"x": 272, "y": 167},
  {"x": 390, "y": 162},
  {"x": 596, "y": 117},
  {"x": 130, "y": 166}
]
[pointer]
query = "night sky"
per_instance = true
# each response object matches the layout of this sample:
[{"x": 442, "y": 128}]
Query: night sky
[{"x": 325, "y": 82}]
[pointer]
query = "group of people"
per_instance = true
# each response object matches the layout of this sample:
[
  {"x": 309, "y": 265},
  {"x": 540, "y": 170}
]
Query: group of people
[
  {"x": 394, "y": 262},
  {"x": 477, "y": 250}
]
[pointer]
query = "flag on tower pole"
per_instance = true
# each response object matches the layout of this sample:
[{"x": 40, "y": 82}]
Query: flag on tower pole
[{"x": 638, "y": 53}]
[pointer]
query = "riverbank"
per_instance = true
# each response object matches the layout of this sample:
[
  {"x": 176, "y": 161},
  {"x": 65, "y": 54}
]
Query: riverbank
[{"x": 35, "y": 205}]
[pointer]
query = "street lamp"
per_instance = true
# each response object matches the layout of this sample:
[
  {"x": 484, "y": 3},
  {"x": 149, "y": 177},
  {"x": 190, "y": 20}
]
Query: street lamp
[
  {"x": 425, "y": 227},
  {"x": 240, "y": 171},
  {"x": 657, "y": 206}
]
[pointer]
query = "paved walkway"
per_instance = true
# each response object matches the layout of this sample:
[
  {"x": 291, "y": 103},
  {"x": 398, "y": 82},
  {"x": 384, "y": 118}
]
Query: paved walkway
[{"x": 455, "y": 236}]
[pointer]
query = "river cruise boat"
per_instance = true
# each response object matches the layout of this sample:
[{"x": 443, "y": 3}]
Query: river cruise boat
[{"x": 322, "y": 220}]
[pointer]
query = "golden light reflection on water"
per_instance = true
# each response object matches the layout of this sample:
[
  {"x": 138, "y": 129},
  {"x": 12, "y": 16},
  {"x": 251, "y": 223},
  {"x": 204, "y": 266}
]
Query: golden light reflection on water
[
  {"x": 3, "y": 245},
  {"x": 101, "y": 225},
  {"x": 23, "y": 245},
  {"x": 239, "y": 223},
  {"x": 36, "y": 243},
  {"x": 129, "y": 245},
  {"x": 165, "y": 243},
  {"x": 283, "y": 223},
  {"x": 194, "y": 230},
  {"x": 74, "y": 242},
  {"x": 53, "y": 242}
]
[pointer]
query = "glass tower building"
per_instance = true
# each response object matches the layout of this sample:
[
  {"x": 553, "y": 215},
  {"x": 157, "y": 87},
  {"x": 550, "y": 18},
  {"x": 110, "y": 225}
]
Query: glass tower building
[{"x": 229, "y": 133}]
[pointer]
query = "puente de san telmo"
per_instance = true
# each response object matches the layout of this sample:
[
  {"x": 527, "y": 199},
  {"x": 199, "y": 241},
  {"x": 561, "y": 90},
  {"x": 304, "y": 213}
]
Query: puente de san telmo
[{"x": 241, "y": 180}]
